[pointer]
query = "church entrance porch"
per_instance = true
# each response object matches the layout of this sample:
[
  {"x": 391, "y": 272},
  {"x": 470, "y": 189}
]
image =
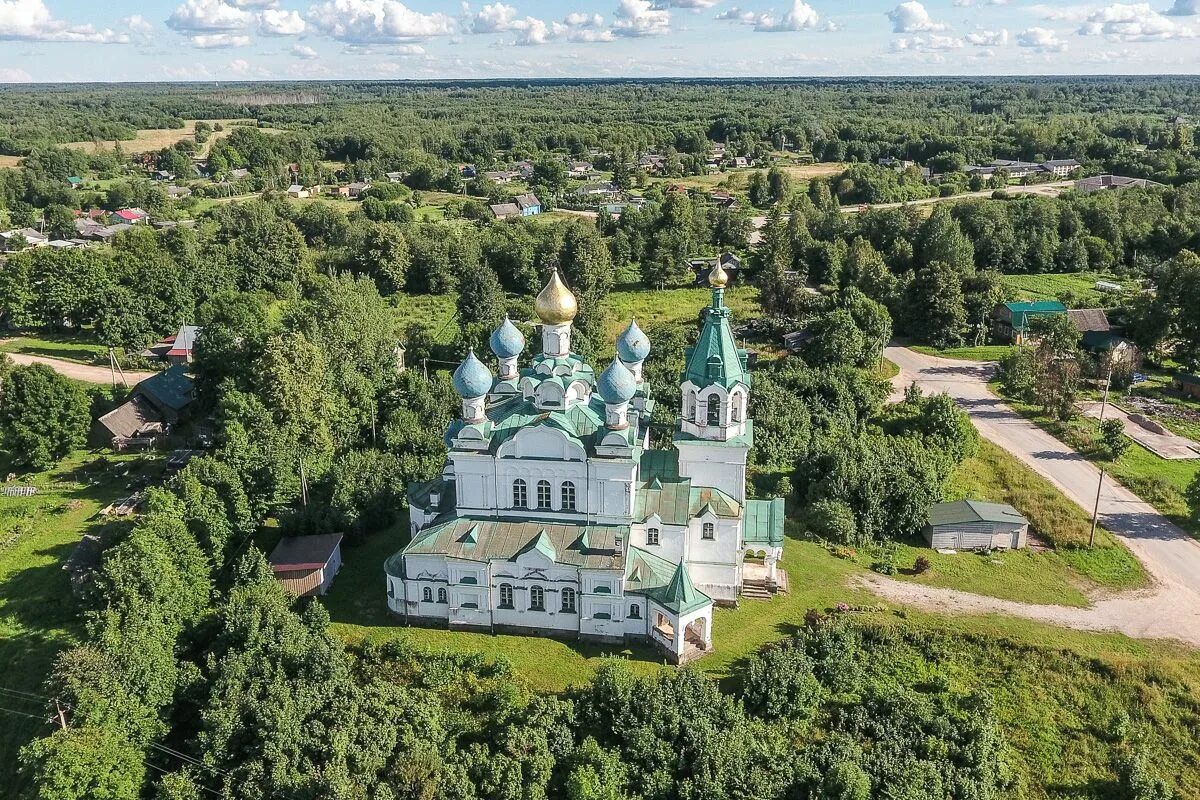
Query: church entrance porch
[
  {"x": 682, "y": 638},
  {"x": 761, "y": 577}
]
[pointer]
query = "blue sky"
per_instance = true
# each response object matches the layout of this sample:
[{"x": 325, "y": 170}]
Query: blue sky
[{"x": 72, "y": 40}]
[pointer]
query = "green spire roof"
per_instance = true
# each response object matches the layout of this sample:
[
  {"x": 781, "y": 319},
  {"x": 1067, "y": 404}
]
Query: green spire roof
[
  {"x": 680, "y": 596},
  {"x": 716, "y": 359}
]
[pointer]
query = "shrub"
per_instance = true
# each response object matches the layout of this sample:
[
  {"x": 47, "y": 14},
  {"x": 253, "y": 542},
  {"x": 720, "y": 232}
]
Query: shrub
[{"x": 921, "y": 565}]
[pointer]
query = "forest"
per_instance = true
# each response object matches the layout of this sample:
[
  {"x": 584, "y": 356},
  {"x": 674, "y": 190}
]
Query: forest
[{"x": 195, "y": 675}]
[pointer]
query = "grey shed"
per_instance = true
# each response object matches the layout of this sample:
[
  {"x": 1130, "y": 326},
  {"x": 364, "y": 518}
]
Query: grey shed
[{"x": 975, "y": 525}]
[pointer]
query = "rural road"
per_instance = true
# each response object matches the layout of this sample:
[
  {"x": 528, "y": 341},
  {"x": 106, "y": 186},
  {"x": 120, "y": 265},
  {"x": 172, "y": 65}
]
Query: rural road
[
  {"x": 1170, "y": 609},
  {"x": 80, "y": 372}
]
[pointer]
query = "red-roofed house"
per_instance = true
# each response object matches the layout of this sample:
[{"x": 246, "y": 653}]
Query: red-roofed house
[{"x": 130, "y": 216}]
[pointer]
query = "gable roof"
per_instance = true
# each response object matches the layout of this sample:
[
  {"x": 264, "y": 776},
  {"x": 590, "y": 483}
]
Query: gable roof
[
  {"x": 304, "y": 552},
  {"x": 1023, "y": 311},
  {"x": 171, "y": 388},
  {"x": 185, "y": 340},
  {"x": 965, "y": 511},
  {"x": 527, "y": 201},
  {"x": 1089, "y": 319},
  {"x": 471, "y": 539},
  {"x": 505, "y": 209}
]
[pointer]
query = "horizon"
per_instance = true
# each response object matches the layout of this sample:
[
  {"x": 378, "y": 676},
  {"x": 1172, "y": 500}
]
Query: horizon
[{"x": 198, "y": 41}]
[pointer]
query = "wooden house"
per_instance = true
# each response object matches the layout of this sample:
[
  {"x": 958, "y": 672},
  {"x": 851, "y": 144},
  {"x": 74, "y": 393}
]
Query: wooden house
[
  {"x": 306, "y": 565},
  {"x": 975, "y": 525}
]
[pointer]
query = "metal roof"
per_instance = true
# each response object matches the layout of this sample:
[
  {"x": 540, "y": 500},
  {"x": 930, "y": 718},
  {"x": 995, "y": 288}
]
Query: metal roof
[
  {"x": 963, "y": 511},
  {"x": 586, "y": 546},
  {"x": 304, "y": 552},
  {"x": 764, "y": 522}
]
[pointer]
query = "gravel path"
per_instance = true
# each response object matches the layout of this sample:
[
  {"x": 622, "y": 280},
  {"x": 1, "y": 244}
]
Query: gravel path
[
  {"x": 1170, "y": 609},
  {"x": 80, "y": 372}
]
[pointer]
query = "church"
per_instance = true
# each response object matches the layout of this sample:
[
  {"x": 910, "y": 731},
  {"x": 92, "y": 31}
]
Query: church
[{"x": 554, "y": 516}]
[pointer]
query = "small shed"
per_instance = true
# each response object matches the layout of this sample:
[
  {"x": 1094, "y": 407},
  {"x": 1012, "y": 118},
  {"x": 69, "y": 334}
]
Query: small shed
[
  {"x": 975, "y": 525},
  {"x": 305, "y": 565},
  {"x": 1187, "y": 384}
]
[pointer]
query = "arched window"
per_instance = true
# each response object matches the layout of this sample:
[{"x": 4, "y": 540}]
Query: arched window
[
  {"x": 441, "y": 595},
  {"x": 568, "y": 601},
  {"x": 568, "y": 496},
  {"x": 520, "y": 494},
  {"x": 543, "y": 494},
  {"x": 691, "y": 407},
  {"x": 735, "y": 408},
  {"x": 652, "y": 536},
  {"x": 427, "y": 595},
  {"x": 506, "y": 595},
  {"x": 635, "y": 611},
  {"x": 537, "y": 598},
  {"x": 714, "y": 409},
  {"x": 708, "y": 532}
]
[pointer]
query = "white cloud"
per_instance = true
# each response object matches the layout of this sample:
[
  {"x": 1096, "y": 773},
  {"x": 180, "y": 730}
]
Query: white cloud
[
  {"x": 1043, "y": 40},
  {"x": 576, "y": 27},
  {"x": 1184, "y": 8},
  {"x": 988, "y": 38},
  {"x": 801, "y": 16},
  {"x": 692, "y": 3},
  {"x": 209, "y": 15},
  {"x": 377, "y": 21},
  {"x": 213, "y": 41},
  {"x": 138, "y": 24},
  {"x": 254, "y": 3},
  {"x": 493, "y": 18},
  {"x": 640, "y": 18},
  {"x": 830, "y": 27},
  {"x": 1074, "y": 13},
  {"x": 911, "y": 17},
  {"x": 30, "y": 20},
  {"x": 14, "y": 75},
  {"x": 277, "y": 22},
  {"x": 932, "y": 43},
  {"x": 580, "y": 19},
  {"x": 735, "y": 14},
  {"x": 239, "y": 66},
  {"x": 1133, "y": 23},
  {"x": 305, "y": 52}
]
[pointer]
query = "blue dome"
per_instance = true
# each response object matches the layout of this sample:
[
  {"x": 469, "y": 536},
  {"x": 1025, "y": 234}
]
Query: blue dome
[
  {"x": 472, "y": 378},
  {"x": 633, "y": 345},
  {"x": 507, "y": 340},
  {"x": 616, "y": 384}
]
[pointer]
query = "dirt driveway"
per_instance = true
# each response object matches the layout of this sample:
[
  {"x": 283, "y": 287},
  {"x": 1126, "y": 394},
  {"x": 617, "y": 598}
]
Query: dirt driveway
[{"x": 80, "y": 372}]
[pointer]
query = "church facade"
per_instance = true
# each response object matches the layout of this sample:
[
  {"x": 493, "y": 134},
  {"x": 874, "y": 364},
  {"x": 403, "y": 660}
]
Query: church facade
[{"x": 554, "y": 516}]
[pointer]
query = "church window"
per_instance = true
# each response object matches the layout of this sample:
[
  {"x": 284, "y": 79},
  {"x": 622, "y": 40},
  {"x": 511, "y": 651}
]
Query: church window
[
  {"x": 568, "y": 601},
  {"x": 714, "y": 409},
  {"x": 691, "y": 407},
  {"x": 708, "y": 532},
  {"x": 543, "y": 494},
  {"x": 427, "y": 595},
  {"x": 602, "y": 615},
  {"x": 441, "y": 595},
  {"x": 506, "y": 595},
  {"x": 537, "y": 598},
  {"x": 603, "y": 588},
  {"x": 635, "y": 611},
  {"x": 469, "y": 579},
  {"x": 568, "y": 496},
  {"x": 520, "y": 494},
  {"x": 652, "y": 536},
  {"x": 735, "y": 408}
]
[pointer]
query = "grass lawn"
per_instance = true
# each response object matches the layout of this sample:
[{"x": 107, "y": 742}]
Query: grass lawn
[
  {"x": 987, "y": 352},
  {"x": 38, "y": 616},
  {"x": 1050, "y": 286},
  {"x": 65, "y": 347}
]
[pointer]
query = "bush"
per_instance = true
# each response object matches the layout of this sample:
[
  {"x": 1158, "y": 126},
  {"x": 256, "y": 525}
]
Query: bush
[
  {"x": 833, "y": 521},
  {"x": 921, "y": 565}
]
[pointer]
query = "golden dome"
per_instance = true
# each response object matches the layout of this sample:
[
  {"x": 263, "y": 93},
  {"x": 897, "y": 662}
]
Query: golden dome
[
  {"x": 718, "y": 278},
  {"x": 555, "y": 304}
]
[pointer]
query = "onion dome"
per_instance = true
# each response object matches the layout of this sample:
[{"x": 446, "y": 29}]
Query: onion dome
[
  {"x": 472, "y": 378},
  {"x": 718, "y": 278},
  {"x": 555, "y": 304},
  {"x": 632, "y": 344},
  {"x": 616, "y": 384},
  {"x": 507, "y": 341}
]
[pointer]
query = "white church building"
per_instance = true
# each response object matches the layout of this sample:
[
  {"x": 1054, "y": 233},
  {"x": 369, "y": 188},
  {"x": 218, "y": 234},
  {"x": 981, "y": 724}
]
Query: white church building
[{"x": 554, "y": 516}]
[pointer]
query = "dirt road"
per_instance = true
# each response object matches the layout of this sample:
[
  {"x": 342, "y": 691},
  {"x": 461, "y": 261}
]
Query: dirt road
[
  {"x": 1171, "y": 609},
  {"x": 79, "y": 372}
]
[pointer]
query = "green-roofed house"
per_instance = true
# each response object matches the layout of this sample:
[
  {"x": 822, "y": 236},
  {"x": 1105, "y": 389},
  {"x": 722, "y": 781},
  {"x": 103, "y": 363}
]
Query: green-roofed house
[
  {"x": 976, "y": 525},
  {"x": 154, "y": 407},
  {"x": 1010, "y": 321},
  {"x": 553, "y": 514}
]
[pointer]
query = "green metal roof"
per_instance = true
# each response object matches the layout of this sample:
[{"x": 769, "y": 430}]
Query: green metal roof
[
  {"x": 679, "y": 596},
  {"x": 764, "y": 522},
  {"x": 171, "y": 388},
  {"x": 582, "y": 422},
  {"x": 964, "y": 511},
  {"x": 586, "y": 546},
  {"x": 1023, "y": 311},
  {"x": 716, "y": 358},
  {"x": 662, "y": 464}
]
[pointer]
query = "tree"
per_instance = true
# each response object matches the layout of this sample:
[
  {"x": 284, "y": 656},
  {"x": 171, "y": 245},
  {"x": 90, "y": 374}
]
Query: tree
[
  {"x": 323, "y": 225},
  {"x": 43, "y": 416},
  {"x": 1056, "y": 363},
  {"x": 1193, "y": 497},
  {"x": 480, "y": 306},
  {"x": 85, "y": 764},
  {"x": 381, "y": 251},
  {"x": 1179, "y": 291},
  {"x": 836, "y": 340},
  {"x": 935, "y": 305},
  {"x": 1112, "y": 436}
]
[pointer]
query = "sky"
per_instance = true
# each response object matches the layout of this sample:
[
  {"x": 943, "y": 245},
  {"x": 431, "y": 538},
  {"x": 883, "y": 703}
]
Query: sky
[{"x": 238, "y": 40}]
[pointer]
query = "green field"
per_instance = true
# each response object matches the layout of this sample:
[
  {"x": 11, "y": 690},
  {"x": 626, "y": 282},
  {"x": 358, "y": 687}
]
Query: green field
[
  {"x": 38, "y": 614},
  {"x": 65, "y": 347},
  {"x": 1051, "y": 286},
  {"x": 987, "y": 352}
]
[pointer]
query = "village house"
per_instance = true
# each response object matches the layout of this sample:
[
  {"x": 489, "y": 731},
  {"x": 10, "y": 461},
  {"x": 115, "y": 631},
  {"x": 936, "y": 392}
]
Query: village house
[
  {"x": 599, "y": 192},
  {"x": 1010, "y": 321},
  {"x": 653, "y": 163},
  {"x": 528, "y": 204},
  {"x": 1101, "y": 183},
  {"x": 505, "y": 210},
  {"x": 306, "y": 565},
  {"x": 579, "y": 169},
  {"x": 128, "y": 216},
  {"x": 553, "y": 515},
  {"x": 297, "y": 191},
  {"x": 502, "y": 176},
  {"x": 154, "y": 407},
  {"x": 22, "y": 238},
  {"x": 1186, "y": 384},
  {"x": 178, "y": 192},
  {"x": 175, "y": 349},
  {"x": 975, "y": 525},
  {"x": 395, "y": 177},
  {"x": 75, "y": 181}
]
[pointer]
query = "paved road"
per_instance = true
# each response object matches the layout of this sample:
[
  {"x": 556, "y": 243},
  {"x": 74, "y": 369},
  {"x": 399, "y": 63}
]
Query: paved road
[
  {"x": 1172, "y": 608},
  {"x": 79, "y": 372}
]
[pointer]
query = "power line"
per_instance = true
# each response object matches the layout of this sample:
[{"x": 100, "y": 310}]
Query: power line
[
  {"x": 25, "y": 695},
  {"x": 189, "y": 759},
  {"x": 24, "y": 714}
]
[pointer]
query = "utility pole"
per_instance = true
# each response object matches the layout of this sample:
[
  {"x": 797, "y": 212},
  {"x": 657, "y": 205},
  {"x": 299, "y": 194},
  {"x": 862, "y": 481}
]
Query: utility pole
[
  {"x": 1096, "y": 511},
  {"x": 303, "y": 485},
  {"x": 60, "y": 714}
]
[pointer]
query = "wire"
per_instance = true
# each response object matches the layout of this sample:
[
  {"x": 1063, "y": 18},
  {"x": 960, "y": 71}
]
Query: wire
[
  {"x": 199, "y": 786},
  {"x": 26, "y": 695},
  {"x": 24, "y": 714},
  {"x": 189, "y": 759}
]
